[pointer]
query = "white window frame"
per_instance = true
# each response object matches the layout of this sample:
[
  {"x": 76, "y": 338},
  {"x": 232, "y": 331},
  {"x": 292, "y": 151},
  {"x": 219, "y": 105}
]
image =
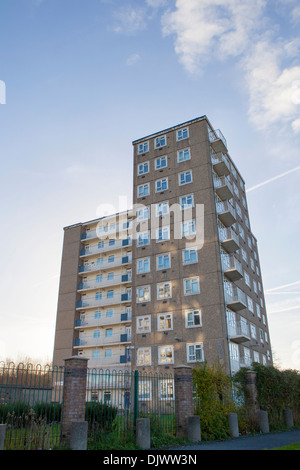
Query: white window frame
[
  {"x": 144, "y": 193},
  {"x": 192, "y": 280},
  {"x": 142, "y": 166},
  {"x": 185, "y": 173},
  {"x": 164, "y": 385},
  {"x": 188, "y": 228},
  {"x": 162, "y": 234},
  {"x": 165, "y": 256},
  {"x": 145, "y": 351},
  {"x": 160, "y": 141},
  {"x": 183, "y": 205},
  {"x": 143, "y": 298},
  {"x": 141, "y": 269},
  {"x": 145, "y": 386},
  {"x": 162, "y": 208},
  {"x": 164, "y": 360},
  {"x": 143, "y": 147},
  {"x": 143, "y": 214},
  {"x": 143, "y": 329},
  {"x": 195, "y": 313},
  {"x": 196, "y": 346},
  {"x": 183, "y": 155},
  {"x": 161, "y": 181},
  {"x": 186, "y": 260},
  {"x": 182, "y": 134},
  {"x": 166, "y": 286},
  {"x": 166, "y": 317},
  {"x": 158, "y": 161},
  {"x": 142, "y": 239}
]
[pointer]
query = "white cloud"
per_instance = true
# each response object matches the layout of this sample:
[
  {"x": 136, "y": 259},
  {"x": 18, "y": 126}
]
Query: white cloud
[
  {"x": 133, "y": 59},
  {"x": 129, "y": 20},
  {"x": 213, "y": 30}
]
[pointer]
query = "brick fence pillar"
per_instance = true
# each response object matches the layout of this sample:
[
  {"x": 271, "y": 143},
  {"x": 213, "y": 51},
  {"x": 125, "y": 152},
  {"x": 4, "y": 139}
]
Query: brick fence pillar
[
  {"x": 74, "y": 395},
  {"x": 184, "y": 398},
  {"x": 252, "y": 391}
]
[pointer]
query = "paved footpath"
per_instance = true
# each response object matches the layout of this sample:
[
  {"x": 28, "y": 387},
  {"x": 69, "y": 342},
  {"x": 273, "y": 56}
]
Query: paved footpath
[{"x": 259, "y": 442}]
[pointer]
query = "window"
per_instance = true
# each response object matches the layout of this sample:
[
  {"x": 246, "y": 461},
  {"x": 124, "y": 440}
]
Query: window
[
  {"x": 111, "y": 259},
  {"x": 160, "y": 141},
  {"x": 98, "y": 296},
  {"x": 250, "y": 304},
  {"x": 163, "y": 261},
  {"x": 191, "y": 286},
  {"x": 161, "y": 162},
  {"x": 143, "y": 265},
  {"x": 164, "y": 290},
  {"x": 110, "y": 276},
  {"x": 238, "y": 210},
  {"x": 161, "y": 185},
  {"x": 253, "y": 331},
  {"x": 143, "y": 324},
  {"x": 182, "y": 134},
  {"x": 110, "y": 294},
  {"x": 236, "y": 190},
  {"x": 185, "y": 177},
  {"x": 193, "y": 318},
  {"x": 96, "y": 334},
  {"x": 255, "y": 356},
  {"x": 188, "y": 228},
  {"x": 165, "y": 355},
  {"x": 252, "y": 264},
  {"x": 165, "y": 321},
  {"x": 195, "y": 352},
  {"x": 166, "y": 389},
  {"x": 247, "y": 278},
  {"x": 143, "y": 168},
  {"x": 143, "y": 214},
  {"x": 109, "y": 313},
  {"x": 183, "y": 155},
  {"x": 97, "y": 314},
  {"x": 99, "y": 278},
  {"x": 261, "y": 335},
  {"x": 143, "y": 359},
  {"x": 96, "y": 353},
  {"x": 108, "y": 332},
  {"x": 255, "y": 287},
  {"x": 145, "y": 390},
  {"x": 108, "y": 353},
  {"x": 258, "y": 310},
  {"x": 189, "y": 256},
  {"x": 244, "y": 255},
  {"x": 143, "y": 148},
  {"x": 241, "y": 232},
  {"x": 143, "y": 238},
  {"x": 187, "y": 202},
  {"x": 162, "y": 208},
  {"x": 162, "y": 234},
  {"x": 143, "y": 190},
  {"x": 143, "y": 294}
]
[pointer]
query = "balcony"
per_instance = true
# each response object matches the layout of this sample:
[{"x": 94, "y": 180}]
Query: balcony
[
  {"x": 104, "y": 247},
  {"x": 109, "y": 262},
  {"x": 91, "y": 322},
  {"x": 220, "y": 163},
  {"x": 100, "y": 302},
  {"x": 126, "y": 297},
  {"x": 217, "y": 141},
  {"x": 235, "y": 298},
  {"x": 231, "y": 267},
  {"x": 223, "y": 187},
  {"x": 238, "y": 332},
  {"x": 229, "y": 239},
  {"x": 89, "y": 341},
  {"x": 226, "y": 213},
  {"x": 99, "y": 284}
]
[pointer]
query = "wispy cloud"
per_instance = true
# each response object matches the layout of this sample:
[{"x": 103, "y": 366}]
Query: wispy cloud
[
  {"x": 270, "y": 180},
  {"x": 133, "y": 59},
  {"x": 213, "y": 30},
  {"x": 284, "y": 286}
]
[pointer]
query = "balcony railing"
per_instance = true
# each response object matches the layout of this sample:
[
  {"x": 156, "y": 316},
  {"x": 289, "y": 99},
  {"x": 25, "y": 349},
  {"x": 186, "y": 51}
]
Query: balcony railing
[
  {"x": 218, "y": 141},
  {"x": 100, "y": 302},
  {"x": 220, "y": 164},
  {"x": 106, "y": 247},
  {"x": 91, "y": 341},
  {"x": 92, "y": 285},
  {"x": 103, "y": 321},
  {"x": 235, "y": 298},
  {"x": 232, "y": 268},
  {"x": 226, "y": 213},
  {"x": 105, "y": 264},
  {"x": 229, "y": 239},
  {"x": 104, "y": 231},
  {"x": 238, "y": 331},
  {"x": 223, "y": 187}
]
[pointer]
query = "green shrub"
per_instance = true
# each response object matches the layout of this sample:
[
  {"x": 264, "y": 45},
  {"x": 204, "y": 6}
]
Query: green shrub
[{"x": 100, "y": 416}]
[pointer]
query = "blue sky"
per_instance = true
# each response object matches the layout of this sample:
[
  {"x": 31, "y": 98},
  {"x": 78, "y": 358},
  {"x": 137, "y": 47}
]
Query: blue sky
[{"x": 86, "y": 78}]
